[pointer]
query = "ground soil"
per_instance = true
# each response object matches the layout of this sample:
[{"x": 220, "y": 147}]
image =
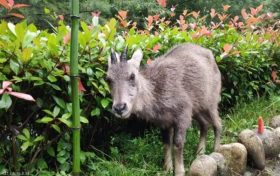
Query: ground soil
[{"x": 272, "y": 168}]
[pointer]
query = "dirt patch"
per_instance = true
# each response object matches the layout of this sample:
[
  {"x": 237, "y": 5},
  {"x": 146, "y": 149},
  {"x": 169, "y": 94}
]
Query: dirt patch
[{"x": 272, "y": 168}]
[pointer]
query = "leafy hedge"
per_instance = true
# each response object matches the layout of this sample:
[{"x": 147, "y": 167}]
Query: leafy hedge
[{"x": 37, "y": 62}]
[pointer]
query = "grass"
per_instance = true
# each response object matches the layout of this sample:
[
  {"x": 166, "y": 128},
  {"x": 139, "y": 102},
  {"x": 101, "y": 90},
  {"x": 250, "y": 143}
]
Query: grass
[{"x": 143, "y": 156}]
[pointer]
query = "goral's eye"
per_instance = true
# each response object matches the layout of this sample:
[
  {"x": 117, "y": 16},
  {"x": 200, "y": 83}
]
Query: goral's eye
[{"x": 132, "y": 77}]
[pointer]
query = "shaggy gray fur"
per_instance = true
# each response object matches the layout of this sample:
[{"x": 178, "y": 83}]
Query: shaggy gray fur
[{"x": 184, "y": 83}]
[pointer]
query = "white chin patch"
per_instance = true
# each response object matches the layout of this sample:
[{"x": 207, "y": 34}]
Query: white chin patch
[{"x": 124, "y": 116}]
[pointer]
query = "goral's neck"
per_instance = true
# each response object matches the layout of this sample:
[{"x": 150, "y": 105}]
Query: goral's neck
[{"x": 145, "y": 97}]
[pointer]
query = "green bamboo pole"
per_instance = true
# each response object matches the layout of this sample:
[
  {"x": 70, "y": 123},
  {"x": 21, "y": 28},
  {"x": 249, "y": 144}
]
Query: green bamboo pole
[{"x": 74, "y": 72}]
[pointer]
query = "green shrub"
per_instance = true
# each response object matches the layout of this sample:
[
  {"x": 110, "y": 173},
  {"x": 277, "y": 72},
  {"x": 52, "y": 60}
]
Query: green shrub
[{"x": 37, "y": 63}]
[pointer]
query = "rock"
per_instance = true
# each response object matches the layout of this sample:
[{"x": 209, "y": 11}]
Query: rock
[
  {"x": 235, "y": 155},
  {"x": 277, "y": 132},
  {"x": 203, "y": 165},
  {"x": 275, "y": 122},
  {"x": 254, "y": 148},
  {"x": 271, "y": 143},
  {"x": 221, "y": 163}
]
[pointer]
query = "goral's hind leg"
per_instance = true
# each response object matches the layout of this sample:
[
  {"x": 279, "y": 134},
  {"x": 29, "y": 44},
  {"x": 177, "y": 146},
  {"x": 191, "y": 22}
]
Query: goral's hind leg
[
  {"x": 167, "y": 138},
  {"x": 217, "y": 126},
  {"x": 203, "y": 124}
]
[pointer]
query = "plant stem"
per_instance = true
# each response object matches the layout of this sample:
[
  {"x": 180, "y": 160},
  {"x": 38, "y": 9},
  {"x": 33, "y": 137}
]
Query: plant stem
[{"x": 74, "y": 86}]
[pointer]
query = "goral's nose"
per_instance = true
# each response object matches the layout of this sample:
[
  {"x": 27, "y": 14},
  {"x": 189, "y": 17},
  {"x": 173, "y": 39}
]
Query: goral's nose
[{"x": 119, "y": 108}]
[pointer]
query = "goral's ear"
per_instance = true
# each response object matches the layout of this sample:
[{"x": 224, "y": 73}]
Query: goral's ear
[{"x": 136, "y": 58}]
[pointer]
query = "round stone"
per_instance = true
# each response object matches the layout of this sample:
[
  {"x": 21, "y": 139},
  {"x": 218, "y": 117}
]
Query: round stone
[
  {"x": 271, "y": 143},
  {"x": 254, "y": 148},
  {"x": 203, "y": 165},
  {"x": 275, "y": 122},
  {"x": 235, "y": 155},
  {"x": 221, "y": 163}
]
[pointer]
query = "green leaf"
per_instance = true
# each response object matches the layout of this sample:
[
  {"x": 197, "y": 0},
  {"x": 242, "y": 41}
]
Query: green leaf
[
  {"x": 12, "y": 28},
  {"x": 95, "y": 112},
  {"x": 66, "y": 116},
  {"x": 83, "y": 119},
  {"x": 53, "y": 44},
  {"x": 25, "y": 145},
  {"x": 45, "y": 120},
  {"x": 56, "y": 87},
  {"x": 48, "y": 112},
  {"x": 41, "y": 164},
  {"x": 21, "y": 137},
  {"x": 2, "y": 60},
  {"x": 56, "y": 128},
  {"x": 14, "y": 66},
  {"x": 105, "y": 102},
  {"x": 56, "y": 111},
  {"x": 51, "y": 151},
  {"x": 46, "y": 10},
  {"x": 82, "y": 157},
  {"x": 26, "y": 55},
  {"x": 26, "y": 132},
  {"x": 61, "y": 153},
  {"x": 5, "y": 102},
  {"x": 39, "y": 138},
  {"x": 61, "y": 160},
  {"x": 59, "y": 102},
  {"x": 51, "y": 78},
  {"x": 66, "y": 122},
  {"x": 28, "y": 38}
]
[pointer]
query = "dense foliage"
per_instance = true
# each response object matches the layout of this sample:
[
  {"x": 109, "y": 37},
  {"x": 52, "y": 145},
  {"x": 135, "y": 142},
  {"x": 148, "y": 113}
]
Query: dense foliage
[{"x": 36, "y": 135}]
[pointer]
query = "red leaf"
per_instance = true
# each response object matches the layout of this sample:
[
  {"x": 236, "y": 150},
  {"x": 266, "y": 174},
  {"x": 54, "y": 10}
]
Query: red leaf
[
  {"x": 235, "y": 19},
  {"x": 66, "y": 69},
  {"x": 185, "y": 12},
  {"x": 6, "y": 84},
  {"x": 16, "y": 6},
  {"x": 252, "y": 20},
  {"x": 61, "y": 17},
  {"x": 204, "y": 31},
  {"x": 22, "y": 96},
  {"x": 260, "y": 125},
  {"x": 193, "y": 25},
  {"x": 67, "y": 38},
  {"x": 162, "y": 3},
  {"x": 150, "y": 21},
  {"x": 226, "y": 7},
  {"x": 123, "y": 14},
  {"x": 81, "y": 86},
  {"x": 156, "y": 48},
  {"x": 95, "y": 14},
  {"x": 11, "y": 2},
  {"x": 173, "y": 8},
  {"x": 16, "y": 15},
  {"x": 253, "y": 11},
  {"x": 222, "y": 17},
  {"x": 5, "y": 4},
  {"x": 227, "y": 48},
  {"x": 149, "y": 61},
  {"x": 274, "y": 75},
  {"x": 270, "y": 14},
  {"x": 195, "y": 14},
  {"x": 156, "y": 17},
  {"x": 244, "y": 14},
  {"x": 259, "y": 8},
  {"x": 213, "y": 13}
]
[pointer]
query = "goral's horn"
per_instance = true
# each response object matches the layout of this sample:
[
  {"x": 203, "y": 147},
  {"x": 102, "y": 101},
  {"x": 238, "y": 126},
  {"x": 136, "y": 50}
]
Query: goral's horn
[
  {"x": 113, "y": 57},
  {"x": 124, "y": 55}
]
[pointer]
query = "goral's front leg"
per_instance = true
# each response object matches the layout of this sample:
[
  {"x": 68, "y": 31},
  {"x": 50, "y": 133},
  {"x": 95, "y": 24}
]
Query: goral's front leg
[{"x": 167, "y": 138}]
